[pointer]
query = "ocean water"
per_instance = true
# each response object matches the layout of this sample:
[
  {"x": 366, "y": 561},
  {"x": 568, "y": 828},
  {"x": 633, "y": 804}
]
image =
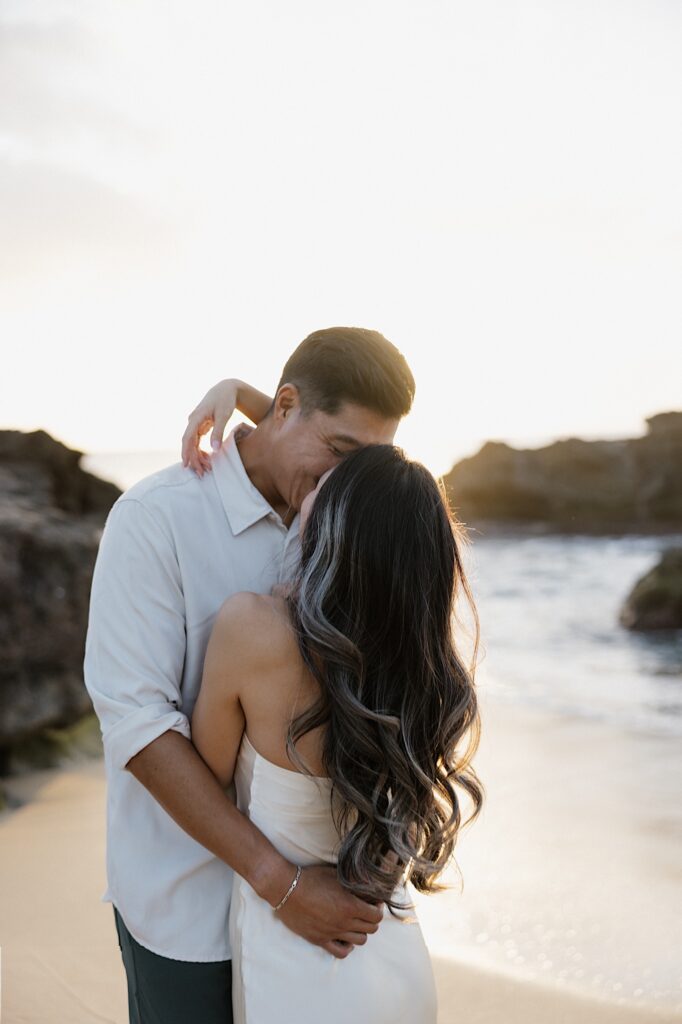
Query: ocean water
[{"x": 548, "y": 608}]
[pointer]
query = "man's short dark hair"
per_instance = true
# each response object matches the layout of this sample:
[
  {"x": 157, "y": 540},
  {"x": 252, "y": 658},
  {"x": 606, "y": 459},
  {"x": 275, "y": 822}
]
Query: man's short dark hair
[{"x": 350, "y": 364}]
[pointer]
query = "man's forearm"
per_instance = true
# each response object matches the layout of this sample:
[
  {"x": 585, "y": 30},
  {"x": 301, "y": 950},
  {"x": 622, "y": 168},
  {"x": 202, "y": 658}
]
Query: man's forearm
[{"x": 174, "y": 773}]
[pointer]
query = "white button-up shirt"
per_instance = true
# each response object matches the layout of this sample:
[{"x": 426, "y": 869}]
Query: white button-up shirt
[{"x": 175, "y": 546}]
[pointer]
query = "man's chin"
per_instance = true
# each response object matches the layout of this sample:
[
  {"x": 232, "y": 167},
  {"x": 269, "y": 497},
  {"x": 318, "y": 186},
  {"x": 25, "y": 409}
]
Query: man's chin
[{"x": 298, "y": 499}]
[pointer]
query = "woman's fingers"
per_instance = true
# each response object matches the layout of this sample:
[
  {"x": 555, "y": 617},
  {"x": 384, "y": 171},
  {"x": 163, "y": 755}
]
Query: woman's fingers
[
  {"x": 214, "y": 410},
  {"x": 203, "y": 463},
  {"x": 192, "y": 455},
  {"x": 221, "y": 418},
  {"x": 197, "y": 460},
  {"x": 190, "y": 438}
]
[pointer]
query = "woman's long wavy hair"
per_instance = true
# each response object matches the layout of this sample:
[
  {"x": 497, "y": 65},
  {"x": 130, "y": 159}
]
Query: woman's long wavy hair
[{"x": 373, "y": 608}]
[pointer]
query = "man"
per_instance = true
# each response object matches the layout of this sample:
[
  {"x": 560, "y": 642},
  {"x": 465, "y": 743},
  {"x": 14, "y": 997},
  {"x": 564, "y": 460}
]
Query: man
[{"x": 174, "y": 548}]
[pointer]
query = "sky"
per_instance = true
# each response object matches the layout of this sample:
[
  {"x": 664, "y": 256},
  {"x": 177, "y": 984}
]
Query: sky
[{"x": 187, "y": 191}]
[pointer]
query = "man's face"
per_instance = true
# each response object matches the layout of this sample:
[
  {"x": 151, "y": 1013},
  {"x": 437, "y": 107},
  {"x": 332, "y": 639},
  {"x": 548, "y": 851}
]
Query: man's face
[{"x": 307, "y": 447}]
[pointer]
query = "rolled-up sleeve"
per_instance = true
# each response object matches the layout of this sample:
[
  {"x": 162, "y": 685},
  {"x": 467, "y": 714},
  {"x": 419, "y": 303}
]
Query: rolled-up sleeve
[{"x": 136, "y": 638}]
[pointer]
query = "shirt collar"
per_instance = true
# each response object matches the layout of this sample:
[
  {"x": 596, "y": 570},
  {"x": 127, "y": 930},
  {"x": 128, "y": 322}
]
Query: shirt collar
[{"x": 243, "y": 503}]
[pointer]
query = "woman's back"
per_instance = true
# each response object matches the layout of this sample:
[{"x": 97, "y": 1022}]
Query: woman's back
[
  {"x": 276, "y": 973},
  {"x": 282, "y": 688}
]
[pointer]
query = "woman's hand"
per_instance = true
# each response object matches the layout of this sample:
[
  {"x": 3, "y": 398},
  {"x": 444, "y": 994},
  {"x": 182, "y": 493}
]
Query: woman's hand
[{"x": 215, "y": 409}]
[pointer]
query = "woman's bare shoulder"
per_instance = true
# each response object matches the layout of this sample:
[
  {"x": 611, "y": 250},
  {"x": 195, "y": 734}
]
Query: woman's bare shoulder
[{"x": 259, "y": 623}]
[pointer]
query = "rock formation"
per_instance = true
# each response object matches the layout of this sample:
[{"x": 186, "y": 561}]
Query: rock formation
[
  {"x": 655, "y": 602},
  {"x": 575, "y": 485},
  {"x": 51, "y": 518}
]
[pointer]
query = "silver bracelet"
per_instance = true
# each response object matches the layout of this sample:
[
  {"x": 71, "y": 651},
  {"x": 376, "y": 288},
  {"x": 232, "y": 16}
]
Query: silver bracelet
[{"x": 290, "y": 889}]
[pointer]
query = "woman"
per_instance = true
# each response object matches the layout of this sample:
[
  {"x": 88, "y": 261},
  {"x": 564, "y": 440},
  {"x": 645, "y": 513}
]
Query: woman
[{"x": 337, "y": 709}]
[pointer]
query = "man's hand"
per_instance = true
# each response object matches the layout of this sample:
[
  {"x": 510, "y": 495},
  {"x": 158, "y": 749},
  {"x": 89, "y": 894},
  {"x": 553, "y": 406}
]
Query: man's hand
[
  {"x": 319, "y": 909},
  {"x": 323, "y": 912}
]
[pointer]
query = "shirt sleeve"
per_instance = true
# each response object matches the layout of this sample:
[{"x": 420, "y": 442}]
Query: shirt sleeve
[{"x": 136, "y": 638}]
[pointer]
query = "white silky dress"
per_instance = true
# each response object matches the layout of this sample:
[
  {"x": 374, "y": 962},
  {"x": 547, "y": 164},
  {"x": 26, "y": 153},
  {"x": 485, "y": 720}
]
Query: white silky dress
[{"x": 279, "y": 976}]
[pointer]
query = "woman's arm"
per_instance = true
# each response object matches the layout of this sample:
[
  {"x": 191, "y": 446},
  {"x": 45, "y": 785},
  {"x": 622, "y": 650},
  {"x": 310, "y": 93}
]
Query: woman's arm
[
  {"x": 215, "y": 409},
  {"x": 252, "y": 402},
  {"x": 218, "y": 720}
]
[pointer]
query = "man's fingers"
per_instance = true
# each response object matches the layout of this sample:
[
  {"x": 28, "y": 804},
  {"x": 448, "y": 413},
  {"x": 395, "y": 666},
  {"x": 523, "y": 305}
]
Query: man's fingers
[
  {"x": 369, "y": 927},
  {"x": 338, "y": 949},
  {"x": 355, "y": 938},
  {"x": 371, "y": 913}
]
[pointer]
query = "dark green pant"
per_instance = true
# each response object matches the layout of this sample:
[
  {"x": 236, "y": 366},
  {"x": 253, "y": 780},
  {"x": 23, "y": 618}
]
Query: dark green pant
[{"x": 165, "y": 991}]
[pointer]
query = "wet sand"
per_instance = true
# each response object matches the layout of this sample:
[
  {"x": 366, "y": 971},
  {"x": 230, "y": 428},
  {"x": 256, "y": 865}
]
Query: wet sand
[
  {"x": 574, "y": 863},
  {"x": 572, "y": 875}
]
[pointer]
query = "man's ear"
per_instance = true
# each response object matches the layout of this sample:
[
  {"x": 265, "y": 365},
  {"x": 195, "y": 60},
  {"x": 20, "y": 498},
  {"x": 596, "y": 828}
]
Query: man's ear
[{"x": 286, "y": 400}]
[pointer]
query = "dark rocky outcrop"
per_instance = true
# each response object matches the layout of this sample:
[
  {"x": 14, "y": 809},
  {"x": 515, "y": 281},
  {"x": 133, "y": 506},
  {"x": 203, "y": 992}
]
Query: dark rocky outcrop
[
  {"x": 655, "y": 601},
  {"x": 575, "y": 485},
  {"x": 51, "y": 518}
]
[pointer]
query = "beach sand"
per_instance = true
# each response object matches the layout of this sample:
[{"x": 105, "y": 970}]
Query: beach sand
[{"x": 574, "y": 863}]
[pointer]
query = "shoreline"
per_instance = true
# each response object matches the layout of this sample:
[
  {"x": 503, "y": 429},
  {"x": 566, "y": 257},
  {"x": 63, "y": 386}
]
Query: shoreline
[
  {"x": 532, "y": 867},
  {"x": 572, "y": 873},
  {"x": 474, "y": 995},
  {"x": 559, "y": 528}
]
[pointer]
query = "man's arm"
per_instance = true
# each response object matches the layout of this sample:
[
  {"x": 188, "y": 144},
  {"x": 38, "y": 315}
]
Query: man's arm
[
  {"x": 319, "y": 909},
  {"x": 134, "y": 657}
]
